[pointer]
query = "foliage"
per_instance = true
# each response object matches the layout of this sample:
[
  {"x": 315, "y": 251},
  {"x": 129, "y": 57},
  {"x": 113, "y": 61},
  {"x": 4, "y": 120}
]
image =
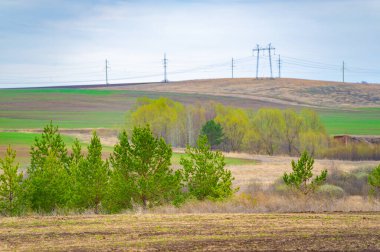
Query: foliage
[
  {"x": 301, "y": 177},
  {"x": 214, "y": 133},
  {"x": 374, "y": 179},
  {"x": 235, "y": 123},
  {"x": 204, "y": 174},
  {"x": 269, "y": 124},
  {"x": 164, "y": 115},
  {"x": 330, "y": 191},
  {"x": 10, "y": 184},
  {"x": 50, "y": 143},
  {"x": 144, "y": 164},
  {"x": 292, "y": 128},
  {"x": 47, "y": 185},
  {"x": 92, "y": 175}
]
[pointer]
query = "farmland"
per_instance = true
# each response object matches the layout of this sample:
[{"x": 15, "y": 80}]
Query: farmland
[{"x": 196, "y": 232}]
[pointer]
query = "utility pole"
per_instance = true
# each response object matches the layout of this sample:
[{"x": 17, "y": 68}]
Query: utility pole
[
  {"x": 270, "y": 60},
  {"x": 279, "y": 66},
  {"x": 232, "y": 68},
  {"x": 107, "y": 72},
  {"x": 343, "y": 71},
  {"x": 165, "y": 62},
  {"x": 263, "y": 49}
]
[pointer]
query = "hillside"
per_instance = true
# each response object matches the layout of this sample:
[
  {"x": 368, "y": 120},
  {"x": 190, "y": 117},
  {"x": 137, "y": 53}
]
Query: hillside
[{"x": 284, "y": 91}]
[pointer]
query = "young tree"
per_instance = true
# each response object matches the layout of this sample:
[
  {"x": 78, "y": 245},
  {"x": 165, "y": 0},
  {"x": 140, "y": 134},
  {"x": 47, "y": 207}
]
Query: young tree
[
  {"x": 301, "y": 177},
  {"x": 47, "y": 185},
  {"x": 92, "y": 177},
  {"x": 374, "y": 179},
  {"x": 50, "y": 142},
  {"x": 214, "y": 133},
  {"x": 10, "y": 184},
  {"x": 204, "y": 173},
  {"x": 144, "y": 163}
]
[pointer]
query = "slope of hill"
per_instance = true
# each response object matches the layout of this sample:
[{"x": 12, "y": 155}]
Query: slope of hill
[{"x": 322, "y": 94}]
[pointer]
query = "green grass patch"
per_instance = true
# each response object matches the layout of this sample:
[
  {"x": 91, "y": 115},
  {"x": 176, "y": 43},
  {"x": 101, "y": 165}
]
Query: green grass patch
[
  {"x": 21, "y": 138},
  {"x": 363, "y": 121},
  {"x": 229, "y": 161}
]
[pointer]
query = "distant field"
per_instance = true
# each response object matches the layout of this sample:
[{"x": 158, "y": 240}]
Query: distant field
[
  {"x": 229, "y": 160},
  {"x": 18, "y": 138},
  {"x": 192, "y": 232},
  {"x": 98, "y": 108}
]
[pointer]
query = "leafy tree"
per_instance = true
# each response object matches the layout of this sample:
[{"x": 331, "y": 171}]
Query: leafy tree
[
  {"x": 292, "y": 129},
  {"x": 311, "y": 121},
  {"x": 269, "y": 124},
  {"x": 214, "y": 133},
  {"x": 166, "y": 117},
  {"x": 47, "y": 185},
  {"x": 301, "y": 177},
  {"x": 204, "y": 173},
  {"x": 235, "y": 123},
  {"x": 92, "y": 177},
  {"x": 374, "y": 179},
  {"x": 50, "y": 142},
  {"x": 10, "y": 184},
  {"x": 144, "y": 163}
]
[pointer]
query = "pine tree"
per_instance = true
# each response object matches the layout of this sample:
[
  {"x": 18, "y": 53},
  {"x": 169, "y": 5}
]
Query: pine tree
[
  {"x": 92, "y": 177},
  {"x": 50, "y": 142},
  {"x": 204, "y": 173},
  {"x": 144, "y": 164},
  {"x": 214, "y": 133},
  {"x": 301, "y": 177},
  {"x": 10, "y": 184}
]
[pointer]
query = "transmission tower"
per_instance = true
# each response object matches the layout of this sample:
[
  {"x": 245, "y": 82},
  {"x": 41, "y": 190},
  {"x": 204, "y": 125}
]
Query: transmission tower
[
  {"x": 232, "y": 68},
  {"x": 263, "y": 49}
]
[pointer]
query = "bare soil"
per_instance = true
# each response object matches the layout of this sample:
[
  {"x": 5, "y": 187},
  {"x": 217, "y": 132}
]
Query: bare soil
[{"x": 193, "y": 232}]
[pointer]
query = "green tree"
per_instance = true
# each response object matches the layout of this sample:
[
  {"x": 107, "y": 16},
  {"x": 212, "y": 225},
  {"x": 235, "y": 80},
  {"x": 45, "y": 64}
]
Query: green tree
[
  {"x": 235, "y": 123},
  {"x": 10, "y": 184},
  {"x": 144, "y": 163},
  {"x": 121, "y": 184},
  {"x": 47, "y": 185},
  {"x": 214, "y": 133},
  {"x": 92, "y": 177},
  {"x": 302, "y": 177},
  {"x": 50, "y": 142},
  {"x": 204, "y": 174},
  {"x": 292, "y": 129},
  {"x": 374, "y": 179},
  {"x": 269, "y": 125}
]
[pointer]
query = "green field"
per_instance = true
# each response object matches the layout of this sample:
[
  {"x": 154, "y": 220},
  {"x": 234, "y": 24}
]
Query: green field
[{"x": 229, "y": 161}]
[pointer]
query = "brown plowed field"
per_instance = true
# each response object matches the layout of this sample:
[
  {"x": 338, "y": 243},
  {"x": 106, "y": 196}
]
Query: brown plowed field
[{"x": 193, "y": 232}]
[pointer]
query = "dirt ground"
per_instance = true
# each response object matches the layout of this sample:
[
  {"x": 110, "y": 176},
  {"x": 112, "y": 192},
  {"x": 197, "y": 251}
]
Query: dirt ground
[
  {"x": 193, "y": 232},
  {"x": 279, "y": 91}
]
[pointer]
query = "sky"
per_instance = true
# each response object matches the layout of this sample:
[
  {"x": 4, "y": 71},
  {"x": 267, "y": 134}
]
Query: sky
[{"x": 66, "y": 42}]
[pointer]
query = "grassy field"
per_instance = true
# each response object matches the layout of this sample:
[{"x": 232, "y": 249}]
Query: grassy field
[{"x": 192, "y": 232}]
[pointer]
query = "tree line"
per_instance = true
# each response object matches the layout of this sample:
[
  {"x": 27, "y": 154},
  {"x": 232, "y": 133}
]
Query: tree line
[
  {"x": 138, "y": 173},
  {"x": 267, "y": 130}
]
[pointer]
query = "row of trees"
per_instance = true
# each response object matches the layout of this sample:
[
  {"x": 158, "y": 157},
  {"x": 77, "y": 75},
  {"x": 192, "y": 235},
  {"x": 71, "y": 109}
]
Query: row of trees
[
  {"x": 269, "y": 131},
  {"x": 137, "y": 173}
]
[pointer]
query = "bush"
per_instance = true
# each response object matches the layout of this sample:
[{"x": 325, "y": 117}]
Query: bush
[
  {"x": 330, "y": 191},
  {"x": 353, "y": 183}
]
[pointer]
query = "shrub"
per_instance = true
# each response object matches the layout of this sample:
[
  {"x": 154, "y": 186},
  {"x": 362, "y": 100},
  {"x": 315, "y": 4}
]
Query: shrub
[
  {"x": 330, "y": 191},
  {"x": 374, "y": 179}
]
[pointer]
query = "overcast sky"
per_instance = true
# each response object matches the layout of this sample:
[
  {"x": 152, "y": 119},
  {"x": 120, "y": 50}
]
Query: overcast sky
[{"x": 67, "y": 41}]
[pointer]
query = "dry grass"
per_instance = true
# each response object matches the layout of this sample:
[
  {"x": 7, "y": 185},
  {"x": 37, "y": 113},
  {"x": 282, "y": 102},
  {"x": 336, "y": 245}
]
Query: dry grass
[
  {"x": 192, "y": 232},
  {"x": 281, "y": 91}
]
